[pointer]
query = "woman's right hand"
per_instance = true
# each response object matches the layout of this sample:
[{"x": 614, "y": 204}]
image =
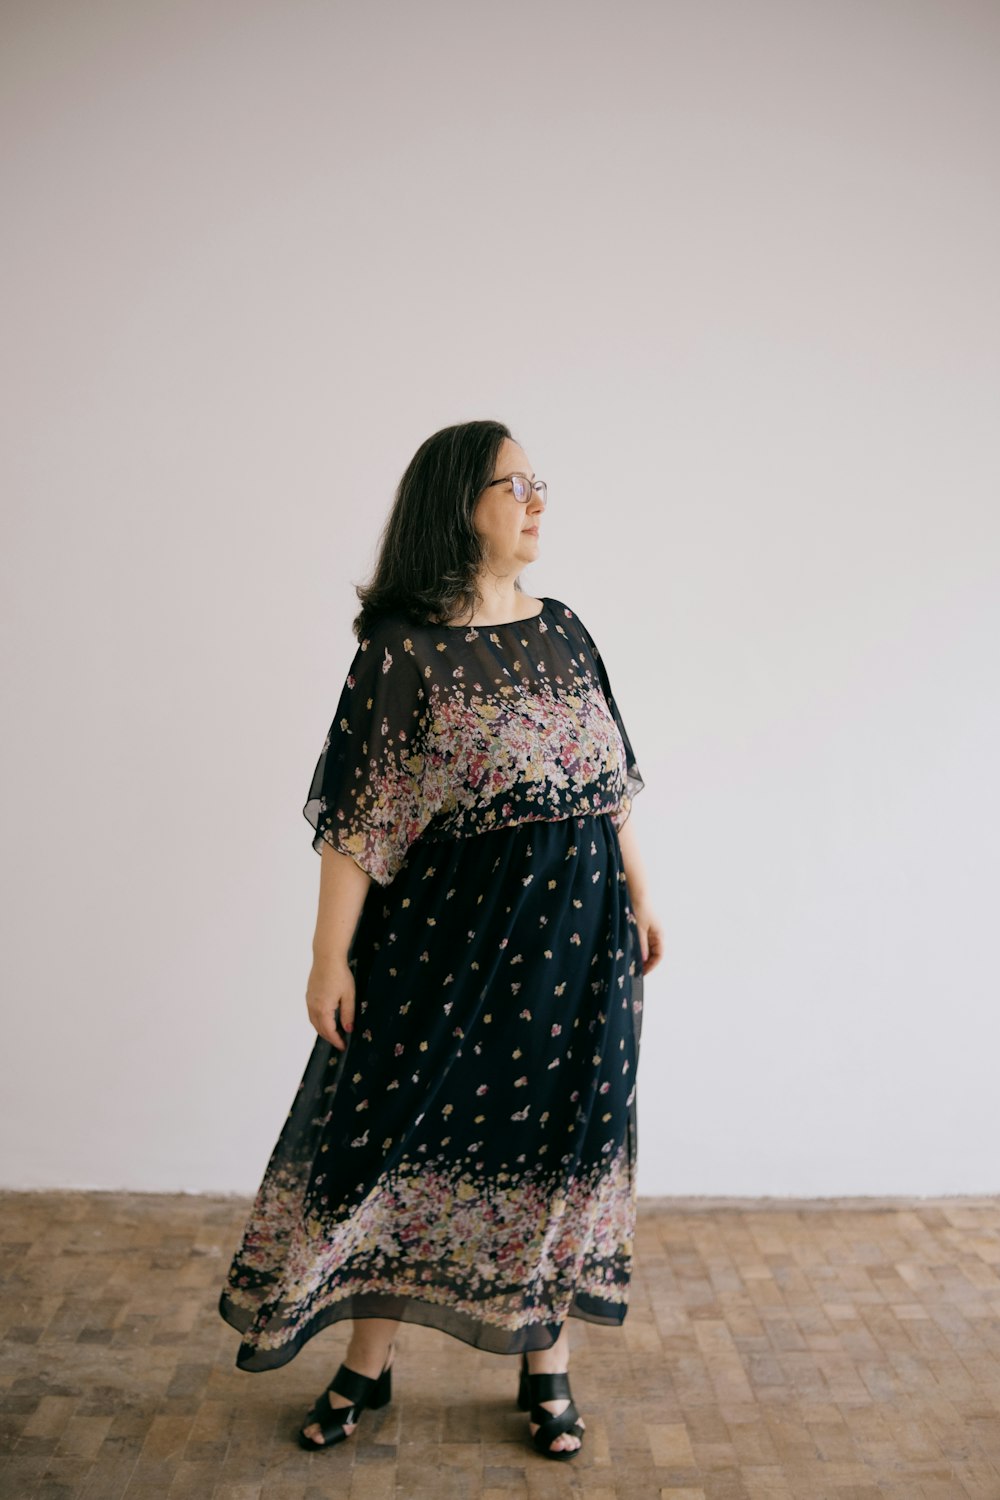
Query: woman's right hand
[{"x": 331, "y": 987}]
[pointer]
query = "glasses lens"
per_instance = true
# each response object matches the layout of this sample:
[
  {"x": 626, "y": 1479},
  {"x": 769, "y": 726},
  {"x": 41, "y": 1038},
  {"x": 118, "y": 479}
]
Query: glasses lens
[
  {"x": 543, "y": 490},
  {"x": 519, "y": 486}
]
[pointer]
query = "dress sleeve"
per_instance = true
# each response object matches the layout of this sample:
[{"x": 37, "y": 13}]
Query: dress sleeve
[
  {"x": 631, "y": 773},
  {"x": 365, "y": 798}
]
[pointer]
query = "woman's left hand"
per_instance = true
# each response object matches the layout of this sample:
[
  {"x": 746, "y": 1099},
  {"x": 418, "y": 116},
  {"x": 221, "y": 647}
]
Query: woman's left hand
[{"x": 650, "y": 936}]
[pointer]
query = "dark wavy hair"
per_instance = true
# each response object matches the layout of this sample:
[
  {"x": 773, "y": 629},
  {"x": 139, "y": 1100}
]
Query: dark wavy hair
[{"x": 429, "y": 553}]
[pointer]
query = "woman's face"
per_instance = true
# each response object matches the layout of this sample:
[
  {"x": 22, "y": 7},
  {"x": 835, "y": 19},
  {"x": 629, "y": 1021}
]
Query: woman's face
[{"x": 511, "y": 531}]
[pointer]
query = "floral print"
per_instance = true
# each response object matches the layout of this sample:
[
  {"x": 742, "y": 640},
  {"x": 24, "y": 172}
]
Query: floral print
[
  {"x": 468, "y": 1162},
  {"x": 447, "y": 732}
]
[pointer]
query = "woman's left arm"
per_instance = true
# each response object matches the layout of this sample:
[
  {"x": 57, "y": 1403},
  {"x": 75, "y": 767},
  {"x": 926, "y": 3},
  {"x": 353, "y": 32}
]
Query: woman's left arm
[{"x": 650, "y": 933}]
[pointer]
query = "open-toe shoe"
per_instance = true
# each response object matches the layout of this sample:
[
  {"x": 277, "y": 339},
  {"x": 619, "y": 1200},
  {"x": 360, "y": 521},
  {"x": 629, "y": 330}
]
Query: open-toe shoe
[
  {"x": 531, "y": 1392},
  {"x": 360, "y": 1390}
]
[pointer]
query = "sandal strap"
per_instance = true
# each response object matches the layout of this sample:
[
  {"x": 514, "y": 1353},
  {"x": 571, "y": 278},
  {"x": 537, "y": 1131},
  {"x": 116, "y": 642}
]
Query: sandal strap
[
  {"x": 349, "y": 1383},
  {"x": 549, "y": 1387},
  {"x": 329, "y": 1421},
  {"x": 553, "y": 1424}
]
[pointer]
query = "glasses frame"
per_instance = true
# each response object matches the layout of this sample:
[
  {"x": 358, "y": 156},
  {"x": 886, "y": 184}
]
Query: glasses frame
[{"x": 534, "y": 485}]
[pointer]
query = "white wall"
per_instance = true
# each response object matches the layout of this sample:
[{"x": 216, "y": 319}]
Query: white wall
[{"x": 729, "y": 272}]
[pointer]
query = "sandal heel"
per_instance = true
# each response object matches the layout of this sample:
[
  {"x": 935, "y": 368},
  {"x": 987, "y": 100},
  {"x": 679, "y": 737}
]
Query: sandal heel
[
  {"x": 523, "y": 1389},
  {"x": 382, "y": 1392}
]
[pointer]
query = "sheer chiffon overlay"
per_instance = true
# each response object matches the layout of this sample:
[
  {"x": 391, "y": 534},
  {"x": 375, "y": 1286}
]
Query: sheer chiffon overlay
[{"x": 468, "y": 1163}]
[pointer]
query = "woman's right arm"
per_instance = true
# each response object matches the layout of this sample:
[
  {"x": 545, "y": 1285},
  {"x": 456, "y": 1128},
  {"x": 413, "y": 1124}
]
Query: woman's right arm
[{"x": 343, "y": 886}]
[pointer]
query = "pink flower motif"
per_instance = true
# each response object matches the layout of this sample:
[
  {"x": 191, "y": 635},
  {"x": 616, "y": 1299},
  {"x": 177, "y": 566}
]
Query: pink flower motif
[
  {"x": 556, "y": 1029},
  {"x": 399, "y": 1048}
]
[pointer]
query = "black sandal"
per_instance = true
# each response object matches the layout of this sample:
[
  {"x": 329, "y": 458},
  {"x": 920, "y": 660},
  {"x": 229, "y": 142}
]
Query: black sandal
[
  {"x": 361, "y": 1390},
  {"x": 531, "y": 1392}
]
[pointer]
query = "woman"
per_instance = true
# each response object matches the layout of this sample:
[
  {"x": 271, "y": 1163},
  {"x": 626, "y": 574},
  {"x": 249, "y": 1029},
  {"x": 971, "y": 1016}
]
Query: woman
[{"x": 461, "y": 1150}]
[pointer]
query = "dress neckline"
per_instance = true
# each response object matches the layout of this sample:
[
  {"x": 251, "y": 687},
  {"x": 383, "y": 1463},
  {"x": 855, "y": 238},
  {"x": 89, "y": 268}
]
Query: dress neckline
[{"x": 500, "y": 624}]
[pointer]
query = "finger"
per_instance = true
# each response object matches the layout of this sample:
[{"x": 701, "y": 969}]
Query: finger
[
  {"x": 323, "y": 1022},
  {"x": 327, "y": 1028},
  {"x": 344, "y": 1014}
]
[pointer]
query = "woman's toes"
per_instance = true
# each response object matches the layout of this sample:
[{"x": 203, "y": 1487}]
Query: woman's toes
[
  {"x": 315, "y": 1432},
  {"x": 565, "y": 1439}
]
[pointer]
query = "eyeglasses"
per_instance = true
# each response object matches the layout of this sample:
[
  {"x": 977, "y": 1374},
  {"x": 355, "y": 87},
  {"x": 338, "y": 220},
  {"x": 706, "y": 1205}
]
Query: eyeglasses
[{"x": 523, "y": 486}]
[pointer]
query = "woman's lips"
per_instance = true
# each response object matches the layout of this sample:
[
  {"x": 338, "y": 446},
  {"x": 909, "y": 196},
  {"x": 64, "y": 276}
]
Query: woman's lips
[{"x": 531, "y": 530}]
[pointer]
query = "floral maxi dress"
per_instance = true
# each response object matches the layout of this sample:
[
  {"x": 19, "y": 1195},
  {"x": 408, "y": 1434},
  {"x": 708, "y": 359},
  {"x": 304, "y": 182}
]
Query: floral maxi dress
[{"x": 468, "y": 1162}]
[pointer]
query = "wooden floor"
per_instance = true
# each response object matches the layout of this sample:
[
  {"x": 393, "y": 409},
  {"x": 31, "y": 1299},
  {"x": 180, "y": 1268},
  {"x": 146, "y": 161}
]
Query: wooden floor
[{"x": 848, "y": 1350}]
